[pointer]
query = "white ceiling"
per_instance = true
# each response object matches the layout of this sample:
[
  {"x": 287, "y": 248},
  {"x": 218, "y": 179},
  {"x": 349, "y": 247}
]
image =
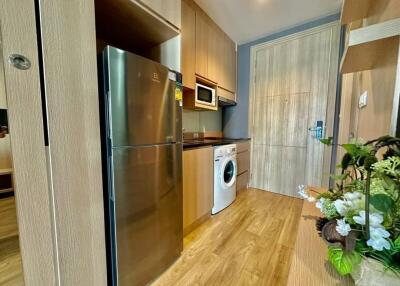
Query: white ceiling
[{"x": 247, "y": 20}]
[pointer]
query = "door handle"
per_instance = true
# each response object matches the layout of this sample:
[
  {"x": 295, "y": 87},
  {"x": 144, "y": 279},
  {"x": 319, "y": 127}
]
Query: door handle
[{"x": 318, "y": 131}]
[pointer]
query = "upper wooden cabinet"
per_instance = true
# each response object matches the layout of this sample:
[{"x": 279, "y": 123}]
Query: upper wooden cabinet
[
  {"x": 137, "y": 26},
  {"x": 170, "y": 10},
  {"x": 206, "y": 49},
  {"x": 202, "y": 46},
  {"x": 188, "y": 42},
  {"x": 227, "y": 63}
]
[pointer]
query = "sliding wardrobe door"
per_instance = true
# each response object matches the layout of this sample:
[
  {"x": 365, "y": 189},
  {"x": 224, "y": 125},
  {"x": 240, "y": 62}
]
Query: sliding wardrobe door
[
  {"x": 293, "y": 94},
  {"x": 49, "y": 58},
  {"x": 21, "y": 105},
  {"x": 70, "y": 72}
]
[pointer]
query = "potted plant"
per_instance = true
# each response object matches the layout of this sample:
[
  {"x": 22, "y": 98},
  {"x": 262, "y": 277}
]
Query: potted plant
[{"x": 361, "y": 214}]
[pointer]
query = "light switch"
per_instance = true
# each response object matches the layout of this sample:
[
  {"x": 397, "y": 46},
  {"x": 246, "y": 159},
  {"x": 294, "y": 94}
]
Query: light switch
[{"x": 362, "y": 102}]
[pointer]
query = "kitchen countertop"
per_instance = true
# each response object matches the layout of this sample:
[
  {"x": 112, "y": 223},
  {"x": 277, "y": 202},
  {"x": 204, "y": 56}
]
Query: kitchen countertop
[{"x": 201, "y": 142}]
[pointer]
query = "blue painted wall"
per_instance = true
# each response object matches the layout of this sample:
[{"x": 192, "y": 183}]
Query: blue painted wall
[{"x": 235, "y": 119}]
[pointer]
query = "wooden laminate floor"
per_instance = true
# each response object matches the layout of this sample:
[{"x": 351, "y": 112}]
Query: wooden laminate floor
[
  {"x": 249, "y": 243},
  {"x": 10, "y": 262}
]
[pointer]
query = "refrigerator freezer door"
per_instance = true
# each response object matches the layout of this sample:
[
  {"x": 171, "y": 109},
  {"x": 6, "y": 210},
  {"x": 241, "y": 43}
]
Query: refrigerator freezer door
[
  {"x": 141, "y": 101},
  {"x": 148, "y": 211}
]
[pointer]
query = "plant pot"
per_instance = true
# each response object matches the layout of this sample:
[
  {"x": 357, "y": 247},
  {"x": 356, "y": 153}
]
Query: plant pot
[{"x": 372, "y": 273}]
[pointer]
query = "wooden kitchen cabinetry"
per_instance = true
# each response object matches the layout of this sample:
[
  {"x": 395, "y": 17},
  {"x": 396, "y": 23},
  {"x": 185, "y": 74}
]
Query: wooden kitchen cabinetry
[
  {"x": 188, "y": 42},
  {"x": 170, "y": 10},
  {"x": 215, "y": 53},
  {"x": 198, "y": 184},
  {"x": 243, "y": 164},
  {"x": 208, "y": 54},
  {"x": 137, "y": 25}
]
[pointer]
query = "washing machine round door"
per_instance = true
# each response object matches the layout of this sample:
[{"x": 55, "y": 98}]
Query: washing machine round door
[{"x": 229, "y": 172}]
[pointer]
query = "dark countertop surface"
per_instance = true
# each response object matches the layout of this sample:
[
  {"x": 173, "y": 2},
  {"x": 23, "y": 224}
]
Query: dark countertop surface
[{"x": 201, "y": 142}]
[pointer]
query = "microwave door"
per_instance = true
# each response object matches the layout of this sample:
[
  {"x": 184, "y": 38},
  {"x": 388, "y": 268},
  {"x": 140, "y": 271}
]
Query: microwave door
[{"x": 205, "y": 95}]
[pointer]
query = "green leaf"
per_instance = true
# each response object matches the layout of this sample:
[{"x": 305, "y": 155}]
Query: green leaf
[
  {"x": 343, "y": 261},
  {"x": 327, "y": 141},
  {"x": 397, "y": 242},
  {"x": 382, "y": 202},
  {"x": 340, "y": 177},
  {"x": 356, "y": 150},
  {"x": 352, "y": 149}
]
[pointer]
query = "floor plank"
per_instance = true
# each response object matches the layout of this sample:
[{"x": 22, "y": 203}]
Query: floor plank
[
  {"x": 10, "y": 263},
  {"x": 249, "y": 243}
]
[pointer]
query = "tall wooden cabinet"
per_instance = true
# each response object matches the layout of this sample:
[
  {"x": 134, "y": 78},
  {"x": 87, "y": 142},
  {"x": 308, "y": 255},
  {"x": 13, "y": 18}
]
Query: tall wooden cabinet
[{"x": 208, "y": 50}]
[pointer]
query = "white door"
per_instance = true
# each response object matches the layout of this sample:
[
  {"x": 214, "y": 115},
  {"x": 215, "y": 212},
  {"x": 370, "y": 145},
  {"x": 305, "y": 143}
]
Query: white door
[{"x": 293, "y": 88}]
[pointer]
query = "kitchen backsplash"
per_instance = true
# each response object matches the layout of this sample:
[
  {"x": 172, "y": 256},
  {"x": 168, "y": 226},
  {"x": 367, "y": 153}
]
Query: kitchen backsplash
[{"x": 201, "y": 121}]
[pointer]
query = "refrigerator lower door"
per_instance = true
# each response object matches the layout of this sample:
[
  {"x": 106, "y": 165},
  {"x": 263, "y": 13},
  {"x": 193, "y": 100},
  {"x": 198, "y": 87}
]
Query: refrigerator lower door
[{"x": 148, "y": 211}]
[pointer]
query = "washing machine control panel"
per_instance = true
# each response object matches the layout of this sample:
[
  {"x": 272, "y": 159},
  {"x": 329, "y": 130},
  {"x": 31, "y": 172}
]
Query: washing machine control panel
[{"x": 223, "y": 151}]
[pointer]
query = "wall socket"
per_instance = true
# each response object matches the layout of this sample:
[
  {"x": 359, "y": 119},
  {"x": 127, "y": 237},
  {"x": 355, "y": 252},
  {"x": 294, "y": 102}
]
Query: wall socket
[{"x": 362, "y": 101}]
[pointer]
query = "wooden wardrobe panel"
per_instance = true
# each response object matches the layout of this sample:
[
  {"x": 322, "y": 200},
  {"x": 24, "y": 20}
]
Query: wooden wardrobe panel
[
  {"x": 69, "y": 55},
  {"x": 33, "y": 198}
]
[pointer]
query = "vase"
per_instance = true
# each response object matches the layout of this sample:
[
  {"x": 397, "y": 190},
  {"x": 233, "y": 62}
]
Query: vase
[{"x": 372, "y": 273}]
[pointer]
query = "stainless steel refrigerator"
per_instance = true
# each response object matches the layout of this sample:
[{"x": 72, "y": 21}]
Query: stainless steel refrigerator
[{"x": 142, "y": 166}]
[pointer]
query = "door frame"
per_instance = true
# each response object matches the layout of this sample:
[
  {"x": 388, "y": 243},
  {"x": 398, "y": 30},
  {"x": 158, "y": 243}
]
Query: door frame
[{"x": 332, "y": 81}]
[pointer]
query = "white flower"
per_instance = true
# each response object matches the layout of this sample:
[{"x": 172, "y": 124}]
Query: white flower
[
  {"x": 379, "y": 244},
  {"x": 377, "y": 238},
  {"x": 352, "y": 196},
  {"x": 304, "y": 194},
  {"x": 320, "y": 203},
  {"x": 343, "y": 206},
  {"x": 342, "y": 227},
  {"x": 375, "y": 219},
  {"x": 352, "y": 201},
  {"x": 378, "y": 232}
]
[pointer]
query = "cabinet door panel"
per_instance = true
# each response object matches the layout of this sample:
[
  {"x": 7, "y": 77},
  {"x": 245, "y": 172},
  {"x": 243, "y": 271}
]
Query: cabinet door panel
[
  {"x": 201, "y": 44},
  {"x": 243, "y": 162},
  {"x": 242, "y": 181},
  {"x": 231, "y": 66},
  {"x": 212, "y": 59},
  {"x": 198, "y": 185},
  {"x": 170, "y": 10},
  {"x": 188, "y": 45}
]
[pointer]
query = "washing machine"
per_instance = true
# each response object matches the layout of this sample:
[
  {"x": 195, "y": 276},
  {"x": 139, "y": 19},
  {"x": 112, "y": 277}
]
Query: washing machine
[{"x": 225, "y": 171}]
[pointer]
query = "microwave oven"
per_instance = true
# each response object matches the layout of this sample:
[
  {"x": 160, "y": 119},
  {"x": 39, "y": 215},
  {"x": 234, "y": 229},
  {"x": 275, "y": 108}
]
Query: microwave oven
[{"x": 205, "y": 95}]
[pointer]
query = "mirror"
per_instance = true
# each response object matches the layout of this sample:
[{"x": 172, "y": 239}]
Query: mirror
[{"x": 10, "y": 258}]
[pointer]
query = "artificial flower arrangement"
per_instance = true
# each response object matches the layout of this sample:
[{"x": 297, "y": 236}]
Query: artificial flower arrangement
[{"x": 361, "y": 214}]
